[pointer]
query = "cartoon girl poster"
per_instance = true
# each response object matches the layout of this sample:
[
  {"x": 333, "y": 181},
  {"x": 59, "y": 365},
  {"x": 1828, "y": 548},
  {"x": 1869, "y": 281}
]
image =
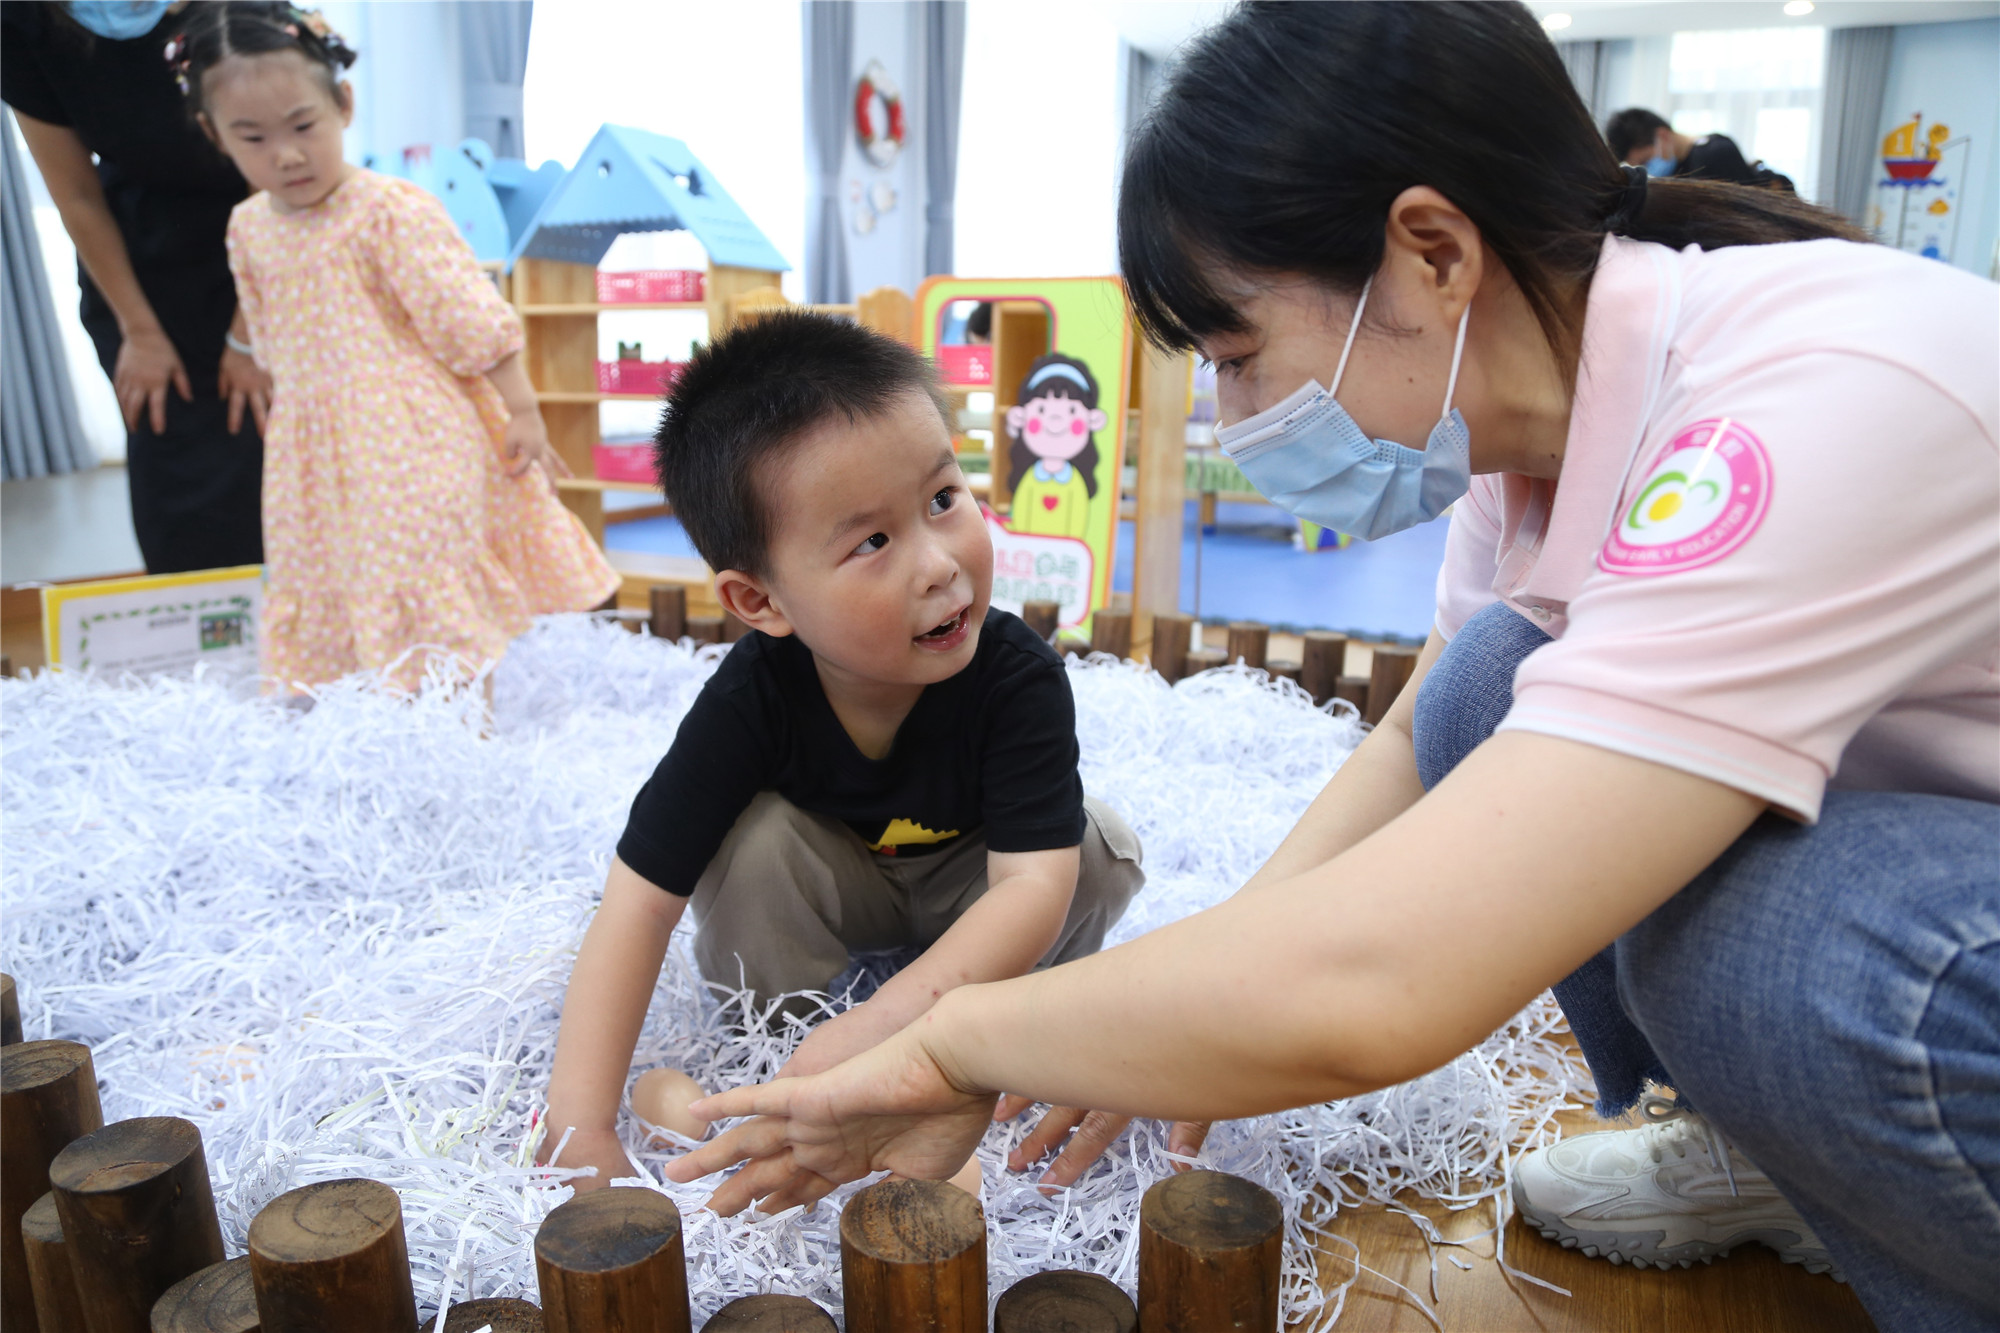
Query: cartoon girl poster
[{"x": 1053, "y": 459}]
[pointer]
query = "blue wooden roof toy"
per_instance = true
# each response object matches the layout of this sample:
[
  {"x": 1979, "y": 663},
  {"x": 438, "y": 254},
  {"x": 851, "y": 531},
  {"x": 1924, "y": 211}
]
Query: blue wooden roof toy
[{"x": 631, "y": 181}]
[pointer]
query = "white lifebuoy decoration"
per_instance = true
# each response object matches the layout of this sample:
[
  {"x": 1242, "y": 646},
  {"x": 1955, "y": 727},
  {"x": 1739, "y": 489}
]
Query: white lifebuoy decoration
[{"x": 880, "y": 142}]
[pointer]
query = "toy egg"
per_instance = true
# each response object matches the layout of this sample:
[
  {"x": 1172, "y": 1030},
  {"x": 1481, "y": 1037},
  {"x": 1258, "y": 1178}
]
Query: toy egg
[{"x": 661, "y": 1096}]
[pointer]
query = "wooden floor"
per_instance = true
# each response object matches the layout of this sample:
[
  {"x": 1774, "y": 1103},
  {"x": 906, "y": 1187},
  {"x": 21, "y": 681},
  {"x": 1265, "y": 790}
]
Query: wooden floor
[{"x": 1750, "y": 1291}]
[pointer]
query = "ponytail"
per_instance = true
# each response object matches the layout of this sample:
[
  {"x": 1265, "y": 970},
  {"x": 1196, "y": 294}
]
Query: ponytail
[{"x": 1280, "y": 142}]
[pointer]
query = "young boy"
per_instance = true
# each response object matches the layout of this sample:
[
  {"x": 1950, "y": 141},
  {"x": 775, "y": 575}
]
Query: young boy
[{"x": 886, "y": 762}]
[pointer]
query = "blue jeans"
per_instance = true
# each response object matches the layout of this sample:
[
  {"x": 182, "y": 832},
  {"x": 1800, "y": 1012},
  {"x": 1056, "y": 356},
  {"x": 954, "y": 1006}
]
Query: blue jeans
[{"x": 1828, "y": 996}]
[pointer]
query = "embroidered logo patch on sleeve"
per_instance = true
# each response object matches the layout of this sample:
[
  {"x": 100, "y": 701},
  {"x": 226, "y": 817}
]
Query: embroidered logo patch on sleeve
[{"x": 1705, "y": 494}]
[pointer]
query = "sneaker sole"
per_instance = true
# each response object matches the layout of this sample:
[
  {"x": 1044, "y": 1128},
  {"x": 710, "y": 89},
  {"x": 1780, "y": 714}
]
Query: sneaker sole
[{"x": 1641, "y": 1249}]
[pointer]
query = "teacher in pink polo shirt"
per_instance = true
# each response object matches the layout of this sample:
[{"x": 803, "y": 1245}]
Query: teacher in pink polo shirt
[{"x": 1707, "y": 736}]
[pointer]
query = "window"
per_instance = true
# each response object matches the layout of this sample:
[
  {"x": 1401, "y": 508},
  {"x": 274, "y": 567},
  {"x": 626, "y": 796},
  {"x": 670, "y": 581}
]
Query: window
[{"x": 1759, "y": 86}]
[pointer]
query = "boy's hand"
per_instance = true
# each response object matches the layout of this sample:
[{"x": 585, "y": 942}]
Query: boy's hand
[
  {"x": 1095, "y": 1131},
  {"x": 600, "y": 1148},
  {"x": 840, "y": 1038}
]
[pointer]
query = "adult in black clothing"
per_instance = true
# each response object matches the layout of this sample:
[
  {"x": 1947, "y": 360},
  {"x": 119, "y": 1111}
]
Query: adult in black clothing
[
  {"x": 148, "y": 220},
  {"x": 1643, "y": 138}
]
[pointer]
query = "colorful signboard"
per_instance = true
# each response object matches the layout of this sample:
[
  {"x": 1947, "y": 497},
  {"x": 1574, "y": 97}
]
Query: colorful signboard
[
  {"x": 156, "y": 624},
  {"x": 1059, "y": 426}
]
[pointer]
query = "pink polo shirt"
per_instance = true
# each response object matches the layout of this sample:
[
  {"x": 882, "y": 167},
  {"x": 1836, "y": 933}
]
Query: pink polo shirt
[{"x": 1773, "y": 556}]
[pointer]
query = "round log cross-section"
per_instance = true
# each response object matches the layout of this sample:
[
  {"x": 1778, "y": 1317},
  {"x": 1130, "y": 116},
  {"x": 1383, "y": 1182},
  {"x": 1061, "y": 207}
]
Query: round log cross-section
[
  {"x": 1209, "y": 1247},
  {"x": 611, "y": 1262},
  {"x": 1065, "y": 1301},
  {"x": 48, "y": 1097},
  {"x": 137, "y": 1216},
  {"x": 56, "y": 1307},
  {"x": 770, "y": 1314},
  {"x": 219, "y": 1299},
  {"x": 332, "y": 1255},
  {"x": 10, "y": 1012},
  {"x": 501, "y": 1314},
  {"x": 913, "y": 1259}
]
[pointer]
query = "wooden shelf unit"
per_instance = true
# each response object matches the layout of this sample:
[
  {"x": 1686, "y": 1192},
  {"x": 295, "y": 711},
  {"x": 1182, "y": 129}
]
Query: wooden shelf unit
[{"x": 558, "y": 306}]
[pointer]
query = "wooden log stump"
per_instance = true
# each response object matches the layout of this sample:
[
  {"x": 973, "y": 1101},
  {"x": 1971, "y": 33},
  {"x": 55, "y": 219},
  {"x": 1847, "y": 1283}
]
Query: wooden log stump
[
  {"x": 1209, "y": 1247},
  {"x": 137, "y": 1215},
  {"x": 608, "y": 604},
  {"x": 1170, "y": 645},
  {"x": 503, "y": 1314},
  {"x": 1354, "y": 689},
  {"x": 50, "y": 1281},
  {"x": 668, "y": 603},
  {"x": 1042, "y": 617},
  {"x": 705, "y": 629},
  {"x": 1325, "y": 657},
  {"x": 1065, "y": 1301},
  {"x": 1249, "y": 643},
  {"x": 1204, "y": 659},
  {"x": 48, "y": 1098},
  {"x": 221, "y": 1298},
  {"x": 1386, "y": 678},
  {"x": 332, "y": 1255},
  {"x": 611, "y": 1262},
  {"x": 1073, "y": 647},
  {"x": 10, "y": 1012},
  {"x": 771, "y": 1314},
  {"x": 733, "y": 628},
  {"x": 913, "y": 1259},
  {"x": 1111, "y": 632},
  {"x": 1283, "y": 669}
]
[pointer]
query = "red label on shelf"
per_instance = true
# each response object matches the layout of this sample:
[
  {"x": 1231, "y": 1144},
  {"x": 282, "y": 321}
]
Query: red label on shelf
[
  {"x": 624, "y": 462},
  {"x": 966, "y": 363},
  {"x": 637, "y": 376},
  {"x": 650, "y": 286}
]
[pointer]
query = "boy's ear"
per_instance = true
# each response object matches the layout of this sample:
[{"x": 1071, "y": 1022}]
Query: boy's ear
[{"x": 749, "y": 599}]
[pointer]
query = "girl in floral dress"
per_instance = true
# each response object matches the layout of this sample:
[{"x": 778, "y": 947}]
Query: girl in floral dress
[{"x": 409, "y": 505}]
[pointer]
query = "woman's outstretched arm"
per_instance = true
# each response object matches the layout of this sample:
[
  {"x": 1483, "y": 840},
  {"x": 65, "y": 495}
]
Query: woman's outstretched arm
[{"x": 1376, "y": 966}]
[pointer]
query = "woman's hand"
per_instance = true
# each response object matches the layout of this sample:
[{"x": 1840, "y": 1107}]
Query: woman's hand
[
  {"x": 147, "y": 364},
  {"x": 243, "y": 381},
  {"x": 526, "y": 445},
  {"x": 1094, "y": 1131},
  {"x": 891, "y": 1108},
  {"x": 600, "y": 1148}
]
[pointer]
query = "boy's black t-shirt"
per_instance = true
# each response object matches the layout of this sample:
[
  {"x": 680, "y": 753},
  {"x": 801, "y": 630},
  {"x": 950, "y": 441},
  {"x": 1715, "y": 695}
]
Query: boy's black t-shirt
[{"x": 992, "y": 748}]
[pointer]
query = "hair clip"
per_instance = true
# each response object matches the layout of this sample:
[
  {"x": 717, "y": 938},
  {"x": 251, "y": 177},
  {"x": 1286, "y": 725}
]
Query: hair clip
[
  {"x": 176, "y": 46},
  {"x": 291, "y": 29}
]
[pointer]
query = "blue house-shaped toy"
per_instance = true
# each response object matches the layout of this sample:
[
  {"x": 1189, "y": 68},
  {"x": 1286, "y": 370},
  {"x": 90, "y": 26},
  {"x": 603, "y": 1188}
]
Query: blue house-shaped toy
[{"x": 631, "y": 181}]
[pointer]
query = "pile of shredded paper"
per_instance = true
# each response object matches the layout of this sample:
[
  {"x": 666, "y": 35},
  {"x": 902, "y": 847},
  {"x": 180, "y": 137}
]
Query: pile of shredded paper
[{"x": 336, "y": 938}]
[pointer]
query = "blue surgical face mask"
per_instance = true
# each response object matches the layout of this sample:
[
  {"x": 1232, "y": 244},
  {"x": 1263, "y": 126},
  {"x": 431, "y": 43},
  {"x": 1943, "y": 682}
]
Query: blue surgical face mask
[
  {"x": 119, "y": 20},
  {"x": 1308, "y": 457},
  {"x": 1661, "y": 166}
]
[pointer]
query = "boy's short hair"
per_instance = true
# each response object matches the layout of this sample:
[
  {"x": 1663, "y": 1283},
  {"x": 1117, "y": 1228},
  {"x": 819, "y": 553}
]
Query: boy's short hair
[
  {"x": 1631, "y": 127},
  {"x": 747, "y": 396}
]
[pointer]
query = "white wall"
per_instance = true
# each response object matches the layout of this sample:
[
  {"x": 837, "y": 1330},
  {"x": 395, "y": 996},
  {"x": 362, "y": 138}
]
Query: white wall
[
  {"x": 1951, "y": 73},
  {"x": 409, "y": 82},
  {"x": 1039, "y": 141},
  {"x": 725, "y": 78}
]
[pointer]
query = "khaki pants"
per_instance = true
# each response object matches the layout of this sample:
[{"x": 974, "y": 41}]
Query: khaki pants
[{"x": 790, "y": 894}]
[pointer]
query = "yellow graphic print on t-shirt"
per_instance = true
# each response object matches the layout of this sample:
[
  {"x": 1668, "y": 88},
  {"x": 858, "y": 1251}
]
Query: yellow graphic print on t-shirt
[{"x": 908, "y": 833}]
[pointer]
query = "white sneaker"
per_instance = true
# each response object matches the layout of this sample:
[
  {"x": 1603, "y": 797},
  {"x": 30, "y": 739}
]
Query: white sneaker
[{"x": 1640, "y": 1196}]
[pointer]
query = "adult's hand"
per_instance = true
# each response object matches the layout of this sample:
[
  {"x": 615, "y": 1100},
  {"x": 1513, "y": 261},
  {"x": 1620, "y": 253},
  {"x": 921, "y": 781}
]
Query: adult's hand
[
  {"x": 147, "y": 366},
  {"x": 892, "y": 1108},
  {"x": 242, "y": 381},
  {"x": 1083, "y": 1136}
]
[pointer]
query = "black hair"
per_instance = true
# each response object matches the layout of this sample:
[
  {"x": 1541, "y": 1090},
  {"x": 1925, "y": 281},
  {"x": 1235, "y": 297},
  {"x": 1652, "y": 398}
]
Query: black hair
[
  {"x": 979, "y": 324},
  {"x": 1630, "y": 128},
  {"x": 218, "y": 29},
  {"x": 1019, "y": 456},
  {"x": 1287, "y": 130},
  {"x": 747, "y": 396}
]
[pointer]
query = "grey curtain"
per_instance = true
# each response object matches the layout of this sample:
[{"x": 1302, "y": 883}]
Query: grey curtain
[
  {"x": 944, "y": 82},
  {"x": 39, "y": 430},
  {"x": 1588, "y": 64},
  {"x": 1857, "y": 74},
  {"x": 829, "y": 34},
  {"x": 493, "y": 42}
]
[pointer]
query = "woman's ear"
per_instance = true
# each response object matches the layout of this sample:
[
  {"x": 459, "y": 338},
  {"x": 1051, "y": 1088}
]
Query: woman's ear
[
  {"x": 1430, "y": 240},
  {"x": 749, "y": 599}
]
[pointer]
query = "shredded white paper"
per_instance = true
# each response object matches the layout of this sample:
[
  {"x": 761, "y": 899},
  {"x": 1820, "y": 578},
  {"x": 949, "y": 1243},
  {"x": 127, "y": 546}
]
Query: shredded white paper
[{"x": 336, "y": 939}]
